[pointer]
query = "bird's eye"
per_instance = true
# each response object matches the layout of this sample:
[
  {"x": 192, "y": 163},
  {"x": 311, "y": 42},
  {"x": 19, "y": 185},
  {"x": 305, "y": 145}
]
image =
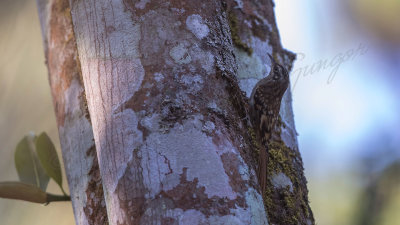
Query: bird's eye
[{"x": 275, "y": 69}]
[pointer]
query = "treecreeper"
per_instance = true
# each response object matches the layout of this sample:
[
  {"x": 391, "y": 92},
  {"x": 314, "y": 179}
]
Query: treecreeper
[{"x": 265, "y": 103}]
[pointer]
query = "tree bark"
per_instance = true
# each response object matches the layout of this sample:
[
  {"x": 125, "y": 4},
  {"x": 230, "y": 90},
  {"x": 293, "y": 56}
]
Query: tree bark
[
  {"x": 167, "y": 86},
  {"x": 73, "y": 120}
]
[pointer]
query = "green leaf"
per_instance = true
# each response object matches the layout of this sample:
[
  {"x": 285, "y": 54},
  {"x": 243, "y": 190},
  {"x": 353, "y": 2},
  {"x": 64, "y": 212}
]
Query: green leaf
[
  {"x": 48, "y": 158},
  {"x": 22, "y": 191},
  {"x": 27, "y": 163}
]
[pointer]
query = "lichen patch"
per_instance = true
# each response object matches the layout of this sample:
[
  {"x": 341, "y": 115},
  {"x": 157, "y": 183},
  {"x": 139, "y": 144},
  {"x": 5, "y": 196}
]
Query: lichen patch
[
  {"x": 129, "y": 137},
  {"x": 197, "y": 26},
  {"x": 141, "y": 4},
  {"x": 280, "y": 180},
  {"x": 193, "y": 83},
  {"x": 203, "y": 58},
  {"x": 254, "y": 201},
  {"x": 76, "y": 127},
  {"x": 158, "y": 76},
  {"x": 180, "y": 54},
  {"x": 196, "y": 152}
]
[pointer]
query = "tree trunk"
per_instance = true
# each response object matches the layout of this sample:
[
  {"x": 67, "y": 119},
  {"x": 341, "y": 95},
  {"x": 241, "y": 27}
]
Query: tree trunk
[
  {"x": 167, "y": 86},
  {"x": 73, "y": 120}
]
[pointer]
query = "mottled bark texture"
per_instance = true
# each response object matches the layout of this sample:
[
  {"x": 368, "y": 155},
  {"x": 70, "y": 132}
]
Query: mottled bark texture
[
  {"x": 75, "y": 131},
  {"x": 167, "y": 86},
  {"x": 254, "y": 33}
]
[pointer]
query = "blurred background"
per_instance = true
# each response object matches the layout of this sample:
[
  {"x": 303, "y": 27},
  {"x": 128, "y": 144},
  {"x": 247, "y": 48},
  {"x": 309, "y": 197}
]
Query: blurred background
[
  {"x": 345, "y": 85},
  {"x": 346, "y": 91},
  {"x": 25, "y": 105}
]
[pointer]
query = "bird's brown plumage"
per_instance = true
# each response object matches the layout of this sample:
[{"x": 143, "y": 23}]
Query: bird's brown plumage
[{"x": 265, "y": 102}]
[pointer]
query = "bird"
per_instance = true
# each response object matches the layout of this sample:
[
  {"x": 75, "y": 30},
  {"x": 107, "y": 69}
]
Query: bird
[{"x": 265, "y": 102}]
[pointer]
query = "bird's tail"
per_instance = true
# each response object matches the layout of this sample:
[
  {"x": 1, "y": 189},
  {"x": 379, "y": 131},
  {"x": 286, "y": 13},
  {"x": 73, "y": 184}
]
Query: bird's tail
[{"x": 262, "y": 169}]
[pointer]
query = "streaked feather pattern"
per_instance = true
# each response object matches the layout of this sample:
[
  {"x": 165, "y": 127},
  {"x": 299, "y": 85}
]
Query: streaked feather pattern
[{"x": 265, "y": 104}]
